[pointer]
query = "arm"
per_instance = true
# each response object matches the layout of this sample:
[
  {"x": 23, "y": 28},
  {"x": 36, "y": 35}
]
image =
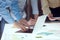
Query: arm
[
  {"x": 34, "y": 4},
  {"x": 45, "y": 7},
  {"x": 17, "y": 14},
  {"x": 21, "y": 23},
  {"x": 46, "y": 10},
  {"x": 16, "y": 10}
]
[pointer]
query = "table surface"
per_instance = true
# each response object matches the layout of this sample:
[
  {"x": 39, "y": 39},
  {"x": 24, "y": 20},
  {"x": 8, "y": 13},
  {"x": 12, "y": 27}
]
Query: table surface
[{"x": 48, "y": 31}]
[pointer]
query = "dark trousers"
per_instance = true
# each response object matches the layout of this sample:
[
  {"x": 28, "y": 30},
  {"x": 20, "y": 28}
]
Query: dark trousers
[
  {"x": 2, "y": 24},
  {"x": 55, "y": 11}
]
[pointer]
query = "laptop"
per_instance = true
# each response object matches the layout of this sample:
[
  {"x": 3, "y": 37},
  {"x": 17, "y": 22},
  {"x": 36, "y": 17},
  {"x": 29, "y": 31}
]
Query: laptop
[{"x": 39, "y": 24}]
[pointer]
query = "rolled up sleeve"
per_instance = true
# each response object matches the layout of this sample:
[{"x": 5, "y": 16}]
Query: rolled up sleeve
[
  {"x": 16, "y": 10},
  {"x": 45, "y": 7}
]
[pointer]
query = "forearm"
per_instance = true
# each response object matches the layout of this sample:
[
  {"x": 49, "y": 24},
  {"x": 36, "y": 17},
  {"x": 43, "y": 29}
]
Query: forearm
[{"x": 34, "y": 4}]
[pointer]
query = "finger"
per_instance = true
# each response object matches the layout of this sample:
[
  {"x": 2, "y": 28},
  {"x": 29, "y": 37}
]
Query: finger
[
  {"x": 52, "y": 19},
  {"x": 23, "y": 28},
  {"x": 25, "y": 23},
  {"x": 32, "y": 23},
  {"x": 58, "y": 19},
  {"x": 31, "y": 19}
]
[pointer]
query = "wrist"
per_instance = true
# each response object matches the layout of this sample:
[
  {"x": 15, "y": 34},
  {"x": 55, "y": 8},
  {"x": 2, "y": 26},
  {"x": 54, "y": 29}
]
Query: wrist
[{"x": 36, "y": 16}]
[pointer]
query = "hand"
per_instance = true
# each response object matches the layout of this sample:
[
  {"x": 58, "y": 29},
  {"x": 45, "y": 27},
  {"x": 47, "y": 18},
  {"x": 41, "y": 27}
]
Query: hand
[
  {"x": 58, "y": 18},
  {"x": 22, "y": 24},
  {"x": 50, "y": 16},
  {"x": 32, "y": 21},
  {"x": 36, "y": 16}
]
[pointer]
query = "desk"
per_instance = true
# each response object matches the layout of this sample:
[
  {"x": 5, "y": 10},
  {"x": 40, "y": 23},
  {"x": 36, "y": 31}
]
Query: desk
[{"x": 48, "y": 31}]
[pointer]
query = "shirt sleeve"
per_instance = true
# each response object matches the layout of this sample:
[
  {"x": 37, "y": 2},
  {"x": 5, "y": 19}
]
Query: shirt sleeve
[
  {"x": 45, "y": 7},
  {"x": 16, "y": 10},
  {"x": 34, "y": 6}
]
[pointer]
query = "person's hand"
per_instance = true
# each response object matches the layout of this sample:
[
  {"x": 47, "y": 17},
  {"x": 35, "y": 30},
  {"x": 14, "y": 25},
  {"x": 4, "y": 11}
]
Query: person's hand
[
  {"x": 51, "y": 18},
  {"x": 35, "y": 16},
  {"x": 32, "y": 22},
  {"x": 22, "y": 24},
  {"x": 58, "y": 18}
]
